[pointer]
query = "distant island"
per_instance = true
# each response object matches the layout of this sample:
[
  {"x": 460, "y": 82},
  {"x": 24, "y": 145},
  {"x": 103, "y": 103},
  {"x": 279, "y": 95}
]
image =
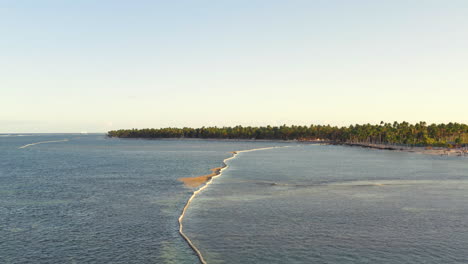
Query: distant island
[{"x": 419, "y": 134}]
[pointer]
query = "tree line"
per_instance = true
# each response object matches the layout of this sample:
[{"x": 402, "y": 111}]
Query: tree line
[{"x": 384, "y": 133}]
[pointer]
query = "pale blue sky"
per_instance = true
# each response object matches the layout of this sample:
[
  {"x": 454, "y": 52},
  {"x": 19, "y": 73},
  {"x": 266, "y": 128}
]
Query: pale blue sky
[{"x": 71, "y": 66}]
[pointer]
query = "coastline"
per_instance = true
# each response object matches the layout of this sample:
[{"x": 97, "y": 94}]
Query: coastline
[
  {"x": 419, "y": 150},
  {"x": 220, "y": 139},
  {"x": 427, "y": 150},
  {"x": 207, "y": 179}
]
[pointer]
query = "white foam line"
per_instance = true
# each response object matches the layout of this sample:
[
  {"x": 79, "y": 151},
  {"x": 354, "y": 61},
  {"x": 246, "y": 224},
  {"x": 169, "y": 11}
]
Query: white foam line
[
  {"x": 42, "y": 142},
  {"x": 195, "y": 193}
]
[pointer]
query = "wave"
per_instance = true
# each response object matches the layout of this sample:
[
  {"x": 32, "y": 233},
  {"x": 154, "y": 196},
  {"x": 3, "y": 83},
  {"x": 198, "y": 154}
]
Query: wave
[
  {"x": 14, "y": 135},
  {"x": 219, "y": 172},
  {"x": 42, "y": 142}
]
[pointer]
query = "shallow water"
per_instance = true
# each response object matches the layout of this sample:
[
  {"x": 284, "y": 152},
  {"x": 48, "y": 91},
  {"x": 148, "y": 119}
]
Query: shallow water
[
  {"x": 97, "y": 200},
  {"x": 334, "y": 204}
]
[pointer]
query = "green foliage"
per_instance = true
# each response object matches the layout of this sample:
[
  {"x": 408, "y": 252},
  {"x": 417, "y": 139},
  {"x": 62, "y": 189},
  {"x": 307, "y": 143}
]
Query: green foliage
[{"x": 385, "y": 133}]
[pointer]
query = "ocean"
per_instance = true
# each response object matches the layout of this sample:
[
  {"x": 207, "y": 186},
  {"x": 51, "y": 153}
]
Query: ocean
[{"x": 90, "y": 199}]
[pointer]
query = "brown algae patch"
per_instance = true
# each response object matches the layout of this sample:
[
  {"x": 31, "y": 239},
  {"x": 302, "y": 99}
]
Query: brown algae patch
[{"x": 199, "y": 180}]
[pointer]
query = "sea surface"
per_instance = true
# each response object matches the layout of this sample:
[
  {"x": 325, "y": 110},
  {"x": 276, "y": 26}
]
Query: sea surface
[
  {"x": 90, "y": 199},
  {"x": 334, "y": 204}
]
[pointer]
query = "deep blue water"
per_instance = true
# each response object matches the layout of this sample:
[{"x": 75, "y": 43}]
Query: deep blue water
[
  {"x": 334, "y": 204},
  {"x": 97, "y": 200}
]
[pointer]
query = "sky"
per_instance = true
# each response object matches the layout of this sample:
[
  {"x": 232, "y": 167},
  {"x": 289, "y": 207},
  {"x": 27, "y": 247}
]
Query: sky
[{"x": 95, "y": 66}]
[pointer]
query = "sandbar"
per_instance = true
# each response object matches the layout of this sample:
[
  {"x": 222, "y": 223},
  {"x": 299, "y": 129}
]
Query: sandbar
[{"x": 199, "y": 180}]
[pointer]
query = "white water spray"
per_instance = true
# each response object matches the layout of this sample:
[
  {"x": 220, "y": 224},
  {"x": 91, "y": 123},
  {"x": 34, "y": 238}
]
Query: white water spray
[
  {"x": 195, "y": 193},
  {"x": 42, "y": 142}
]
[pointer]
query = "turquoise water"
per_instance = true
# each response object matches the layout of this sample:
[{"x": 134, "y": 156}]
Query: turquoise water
[
  {"x": 333, "y": 204},
  {"x": 97, "y": 200}
]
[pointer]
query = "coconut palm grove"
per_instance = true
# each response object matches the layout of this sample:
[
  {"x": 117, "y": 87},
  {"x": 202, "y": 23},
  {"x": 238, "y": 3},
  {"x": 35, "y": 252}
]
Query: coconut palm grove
[{"x": 422, "y": 134}]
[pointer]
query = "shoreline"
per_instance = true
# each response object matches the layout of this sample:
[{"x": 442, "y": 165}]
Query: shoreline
[
  {"x": 220, "y": 139},
  {"x": 461, "y": 152},
  {"x": 208, "y": 180},
  {"x": 427, "y": 150}
]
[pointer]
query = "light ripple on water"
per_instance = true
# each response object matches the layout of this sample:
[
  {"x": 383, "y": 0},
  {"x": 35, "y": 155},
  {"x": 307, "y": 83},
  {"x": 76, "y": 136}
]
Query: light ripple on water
[
  {"x": 376, "y": 207},
  {"x": 99, "y": 200}
]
